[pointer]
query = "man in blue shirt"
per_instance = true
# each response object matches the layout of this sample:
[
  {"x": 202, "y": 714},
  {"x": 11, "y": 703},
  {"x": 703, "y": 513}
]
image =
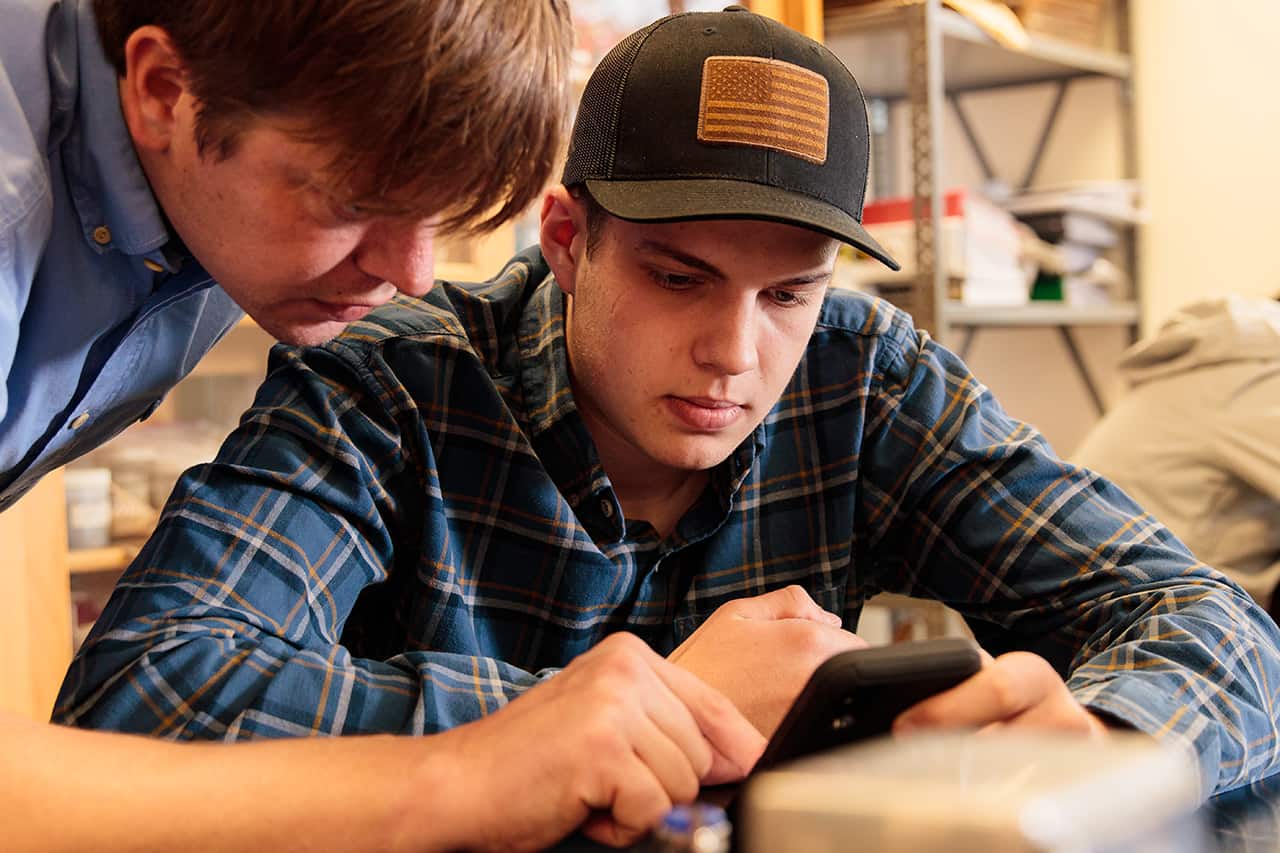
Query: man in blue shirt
[
  {"x": 163, "y": 171},
  {"x": 164, "y": 166},
  {"x": 662, "y": 425}
]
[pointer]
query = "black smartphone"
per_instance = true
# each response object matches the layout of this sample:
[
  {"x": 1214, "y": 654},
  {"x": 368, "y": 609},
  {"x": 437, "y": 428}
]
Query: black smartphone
[{"x": 858, "y": 694}]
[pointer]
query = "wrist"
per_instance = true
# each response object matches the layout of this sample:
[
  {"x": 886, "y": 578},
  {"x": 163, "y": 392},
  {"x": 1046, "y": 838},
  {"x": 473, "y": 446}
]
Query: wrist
[{"x": 436, "y": 801}]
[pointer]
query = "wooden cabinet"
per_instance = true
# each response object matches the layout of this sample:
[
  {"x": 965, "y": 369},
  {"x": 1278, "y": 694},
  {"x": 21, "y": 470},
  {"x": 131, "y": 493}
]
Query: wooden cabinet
[{"x": 35, "y": 600}]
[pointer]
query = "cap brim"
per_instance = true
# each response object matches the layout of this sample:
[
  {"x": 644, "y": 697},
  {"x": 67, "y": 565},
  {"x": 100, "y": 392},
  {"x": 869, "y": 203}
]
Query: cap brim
[{"x": 717, "y": 198}]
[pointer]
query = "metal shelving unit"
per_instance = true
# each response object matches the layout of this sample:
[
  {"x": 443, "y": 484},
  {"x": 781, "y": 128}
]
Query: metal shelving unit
[{"x": 919, "y": 52}]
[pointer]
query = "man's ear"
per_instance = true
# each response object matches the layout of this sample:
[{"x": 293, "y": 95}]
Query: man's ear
[
  {"x": 152, "y": 90},
  {"x": 563, "y": 235}
]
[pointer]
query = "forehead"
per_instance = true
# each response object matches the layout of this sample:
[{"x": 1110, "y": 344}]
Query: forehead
[
  {"x": 749, "y": 241},
  {"x": 279, "y": 149}
]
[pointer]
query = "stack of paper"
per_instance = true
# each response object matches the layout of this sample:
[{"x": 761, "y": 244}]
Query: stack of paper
[
  {"x": 1082, "y": 220},
  {"x": 981, "y": 251}
]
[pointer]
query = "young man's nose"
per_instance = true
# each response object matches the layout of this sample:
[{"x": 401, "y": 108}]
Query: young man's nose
[
  {"x": 402, "y": 253},
  {"x": 727, "y": 340}
]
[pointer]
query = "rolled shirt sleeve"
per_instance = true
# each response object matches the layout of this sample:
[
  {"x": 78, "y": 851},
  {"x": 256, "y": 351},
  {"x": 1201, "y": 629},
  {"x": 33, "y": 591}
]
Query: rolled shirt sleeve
[
  {"x": 971, "y": 507},
  {"x": 230, "y": 622}
]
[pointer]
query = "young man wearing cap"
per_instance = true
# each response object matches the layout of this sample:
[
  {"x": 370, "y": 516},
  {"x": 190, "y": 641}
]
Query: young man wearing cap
[
  {"x": 661, "y": 424},
  {"x": 164, "y": 166}
]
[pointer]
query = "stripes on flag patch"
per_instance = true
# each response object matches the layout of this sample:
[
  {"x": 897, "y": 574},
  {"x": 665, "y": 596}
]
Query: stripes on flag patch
[{"x": 767, "y": 103}]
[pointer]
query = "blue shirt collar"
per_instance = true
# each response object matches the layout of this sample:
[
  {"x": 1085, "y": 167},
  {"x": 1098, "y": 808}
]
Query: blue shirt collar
[{"x": 102, "y": 167}]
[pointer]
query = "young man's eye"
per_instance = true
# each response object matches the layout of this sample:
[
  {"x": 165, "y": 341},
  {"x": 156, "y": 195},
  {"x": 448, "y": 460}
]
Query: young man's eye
[
  {"x": 349, "y": 212},
  {"x": 672, "y": 280},
  {"x": 789, "y": 298}
]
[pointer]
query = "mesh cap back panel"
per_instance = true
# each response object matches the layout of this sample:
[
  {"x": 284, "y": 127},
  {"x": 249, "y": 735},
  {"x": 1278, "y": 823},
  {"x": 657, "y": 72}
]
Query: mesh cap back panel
[{"x": 595, "y": 130}]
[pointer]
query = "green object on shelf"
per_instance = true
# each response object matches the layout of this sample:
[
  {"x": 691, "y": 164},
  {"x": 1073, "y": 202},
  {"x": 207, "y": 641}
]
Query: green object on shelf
[{"x": 1048, "y": 287}]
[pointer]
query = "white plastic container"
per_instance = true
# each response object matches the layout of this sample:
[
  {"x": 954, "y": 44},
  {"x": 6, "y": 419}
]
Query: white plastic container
[
  {"x": 88, "y": 507},
  {"x": 1010, "y": 791}
]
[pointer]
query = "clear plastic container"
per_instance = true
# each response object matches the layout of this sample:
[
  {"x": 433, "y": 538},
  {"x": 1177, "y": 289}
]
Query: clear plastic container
[
  {"x": 696, "y": 828},
  {"x": 88, "y": 507}
]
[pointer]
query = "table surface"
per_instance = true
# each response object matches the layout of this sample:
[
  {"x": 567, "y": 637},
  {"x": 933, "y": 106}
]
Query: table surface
[{"x": 1246, "y": 820}]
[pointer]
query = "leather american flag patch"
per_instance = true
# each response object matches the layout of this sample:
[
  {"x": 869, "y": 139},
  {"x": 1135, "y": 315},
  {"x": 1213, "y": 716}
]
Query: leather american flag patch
[{"x": 766, "y": 103}]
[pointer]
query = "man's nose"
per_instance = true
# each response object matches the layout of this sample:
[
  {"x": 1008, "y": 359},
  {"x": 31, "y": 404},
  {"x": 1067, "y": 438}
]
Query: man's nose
[
  {"x": 402, "y": 253},
  {"x": 727, "y": 340}
]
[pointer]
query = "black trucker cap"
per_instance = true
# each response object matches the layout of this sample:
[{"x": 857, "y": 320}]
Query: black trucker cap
[{"x": 725, "y": 115}]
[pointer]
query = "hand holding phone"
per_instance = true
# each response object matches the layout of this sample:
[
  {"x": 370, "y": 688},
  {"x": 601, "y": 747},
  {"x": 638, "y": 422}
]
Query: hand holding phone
[{"x": 857, "y": 694}]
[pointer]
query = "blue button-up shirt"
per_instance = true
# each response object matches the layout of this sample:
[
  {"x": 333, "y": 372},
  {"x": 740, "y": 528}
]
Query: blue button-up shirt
[
  {"x": 412, "y": 526},
  {"x": 90, "y": 337}
]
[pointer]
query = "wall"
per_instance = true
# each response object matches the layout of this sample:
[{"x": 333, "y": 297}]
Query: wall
[{"x": 1209, "y": 132}]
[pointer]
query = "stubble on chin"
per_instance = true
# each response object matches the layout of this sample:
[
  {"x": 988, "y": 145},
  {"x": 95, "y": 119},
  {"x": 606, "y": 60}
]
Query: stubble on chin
[{"x": 300, "y": 334}]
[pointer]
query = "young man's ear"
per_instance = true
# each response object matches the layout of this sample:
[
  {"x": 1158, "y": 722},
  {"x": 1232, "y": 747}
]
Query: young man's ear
[
  {"x": 563, "y": 235},
  {"x": 152, "y": 89}
]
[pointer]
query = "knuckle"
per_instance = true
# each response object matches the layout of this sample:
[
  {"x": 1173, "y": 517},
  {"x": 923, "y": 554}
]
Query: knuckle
[
  {"x": 625, "y": 656},
  {"x": 650, "y": 812},
  {"x": 685, "y": 789},
  {"x": 1004, "y": 693},
  {"x": 621, "y": 642},
  {"x": 796, "y": 594},
  {"x": 811, "y": 641},
  {"x": 730, "y": 608}
]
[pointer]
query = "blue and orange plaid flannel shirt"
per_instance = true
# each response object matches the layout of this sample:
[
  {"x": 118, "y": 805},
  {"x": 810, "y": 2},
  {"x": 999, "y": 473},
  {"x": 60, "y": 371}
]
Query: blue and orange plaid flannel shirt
[{"x": 411, "y": 527}]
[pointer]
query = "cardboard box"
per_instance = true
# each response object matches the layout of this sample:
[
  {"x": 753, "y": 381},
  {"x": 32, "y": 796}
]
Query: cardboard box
[{"x": 1078, "y": 21}]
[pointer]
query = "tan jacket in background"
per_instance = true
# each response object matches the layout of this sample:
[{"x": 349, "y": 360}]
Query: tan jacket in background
[{"x": 1196, "y": 441}]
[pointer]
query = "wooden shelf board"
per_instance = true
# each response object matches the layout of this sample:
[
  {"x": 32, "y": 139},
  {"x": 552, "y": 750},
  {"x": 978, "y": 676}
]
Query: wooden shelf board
[
  {"x": 115, "y": 557},
  {"x": 1042, "y": 314}
]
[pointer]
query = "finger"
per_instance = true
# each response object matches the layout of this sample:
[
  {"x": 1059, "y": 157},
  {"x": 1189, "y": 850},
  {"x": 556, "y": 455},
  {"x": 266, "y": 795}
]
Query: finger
[
  {"x": 603, "y": 829},
  {"x": 736, "y": 745},
  {"x": 1060, "y": 712},
  {"x": 670, "y": 716},
  {"x": 790, "y": 602},
  {"x": 637, "y": 804},
  {"x": 1007, "y": 687},
  {"x": 669, "y": 761}
]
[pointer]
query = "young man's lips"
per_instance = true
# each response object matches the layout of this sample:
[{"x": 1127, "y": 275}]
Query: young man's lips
[{"x": 704, "y": 413}]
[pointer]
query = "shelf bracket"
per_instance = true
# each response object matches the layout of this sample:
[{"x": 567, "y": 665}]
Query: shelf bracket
[
  {"x": 974, "y": 145},
  {"x": 1082, "y": 369},
  {"x": 1043, "y": 142},
  {"x": 966, "y": 342}
]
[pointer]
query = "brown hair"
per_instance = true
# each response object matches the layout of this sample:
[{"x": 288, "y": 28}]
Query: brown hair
[{"x": 450, "y": 108}]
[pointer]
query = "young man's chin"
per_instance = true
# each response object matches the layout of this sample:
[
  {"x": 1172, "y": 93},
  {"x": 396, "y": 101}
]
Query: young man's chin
[
  {"x": 301, "y": 334},
  {"x": 696, "y": 454}
]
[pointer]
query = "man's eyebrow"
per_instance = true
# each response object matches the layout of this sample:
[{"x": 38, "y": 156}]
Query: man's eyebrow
[
  {"x": 692, "y": 261},
  {"x": 811, "y": 278}
]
